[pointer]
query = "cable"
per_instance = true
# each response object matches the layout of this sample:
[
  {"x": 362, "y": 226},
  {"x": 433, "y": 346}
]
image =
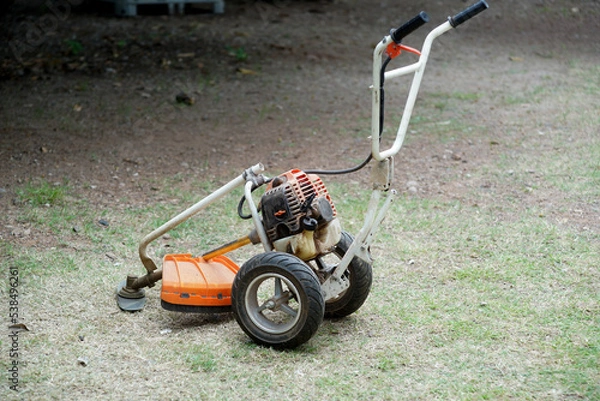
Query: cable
[
  {"x": 240, "y": 211},
  {"x": 243, "y": 199},
  {"x": 381, "y": 118},
  {"x": 343, "y": 171},
  {"x": 346, "y": 170}
]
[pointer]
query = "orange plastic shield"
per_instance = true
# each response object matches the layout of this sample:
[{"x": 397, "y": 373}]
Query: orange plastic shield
[{"x": 196, "y": 282}]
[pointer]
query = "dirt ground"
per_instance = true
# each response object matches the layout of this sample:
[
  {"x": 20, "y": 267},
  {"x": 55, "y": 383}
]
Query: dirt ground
[
  {"x": 91, "y": 100},
  {"x": 279, "y": 83}
]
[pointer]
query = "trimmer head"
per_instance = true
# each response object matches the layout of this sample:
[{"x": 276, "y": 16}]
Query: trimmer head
[{"x": 130, "y": 300}]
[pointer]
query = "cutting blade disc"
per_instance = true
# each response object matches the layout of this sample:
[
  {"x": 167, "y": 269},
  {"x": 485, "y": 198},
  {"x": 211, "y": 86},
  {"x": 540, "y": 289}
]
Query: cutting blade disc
[{"x": 130, "y": 304}]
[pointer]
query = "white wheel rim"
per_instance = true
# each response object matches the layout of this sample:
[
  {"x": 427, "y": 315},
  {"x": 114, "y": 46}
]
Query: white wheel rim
[{"x": 272, "y": 303}]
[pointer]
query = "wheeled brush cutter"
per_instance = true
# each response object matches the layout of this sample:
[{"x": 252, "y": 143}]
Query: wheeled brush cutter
[{"x": 310, "y": 267}]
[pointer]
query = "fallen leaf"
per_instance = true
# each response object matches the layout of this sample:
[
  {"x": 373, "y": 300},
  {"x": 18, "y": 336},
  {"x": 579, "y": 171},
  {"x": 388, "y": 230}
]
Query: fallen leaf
[
  {"x": 246, "y": 71},
  {"x": 514, "y": 58},
  {"x": 18, "y": 327}
]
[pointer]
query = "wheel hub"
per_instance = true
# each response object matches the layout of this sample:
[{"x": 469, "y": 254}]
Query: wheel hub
[{"x": 275, "y": 315}]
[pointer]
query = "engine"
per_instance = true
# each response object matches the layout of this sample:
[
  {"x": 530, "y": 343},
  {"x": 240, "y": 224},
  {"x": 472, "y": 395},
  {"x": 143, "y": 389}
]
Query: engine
[{"x": 299, "y": 216}]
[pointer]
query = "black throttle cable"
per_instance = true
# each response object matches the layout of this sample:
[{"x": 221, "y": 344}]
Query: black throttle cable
[{"x": 381, "y": 118}]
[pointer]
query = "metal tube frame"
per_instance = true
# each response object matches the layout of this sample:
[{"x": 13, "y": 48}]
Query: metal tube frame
[
  {"x": 377, "y": 209},
  {"x": 381, "y": 197},
  {"x": 418, "y": 69},
  {"x": 260, "y": 229},
  {"x": 244, "y": 178}
]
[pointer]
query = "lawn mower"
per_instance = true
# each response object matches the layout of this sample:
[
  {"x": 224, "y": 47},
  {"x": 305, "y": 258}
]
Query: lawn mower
[{"x": 310, "y": 268}]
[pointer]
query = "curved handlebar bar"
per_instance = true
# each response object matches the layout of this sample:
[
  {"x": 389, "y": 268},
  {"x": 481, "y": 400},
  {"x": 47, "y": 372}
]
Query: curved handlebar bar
[
  {"x": 408, "y": 27},
  {"x": 416, "y": 68},
  {"x": 468, "y": 13}
]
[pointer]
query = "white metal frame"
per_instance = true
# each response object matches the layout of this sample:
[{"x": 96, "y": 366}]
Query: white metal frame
[
  {"x": 418, "y": 69},
  {"x": 377, "y": 210},
  {"x": 381, "y": 197},
  {"x": 245, "y": 178}
]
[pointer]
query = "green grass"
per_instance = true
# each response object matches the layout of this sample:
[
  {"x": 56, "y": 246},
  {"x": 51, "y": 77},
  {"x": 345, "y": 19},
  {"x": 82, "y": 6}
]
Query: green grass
[
  {"x": 468, "y": 302},
  {"x": 42, "y": 193},
  {"x": 200, "y": 358}
]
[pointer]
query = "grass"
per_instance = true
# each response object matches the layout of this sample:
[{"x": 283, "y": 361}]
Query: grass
[
  {"x": 41, "y": 193},
  {"x": 487, "y": 308},
  {"x": 200, "y": 358}
]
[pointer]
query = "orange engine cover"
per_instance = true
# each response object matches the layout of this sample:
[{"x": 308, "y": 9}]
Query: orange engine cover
[{"x": 196, "y": 282}]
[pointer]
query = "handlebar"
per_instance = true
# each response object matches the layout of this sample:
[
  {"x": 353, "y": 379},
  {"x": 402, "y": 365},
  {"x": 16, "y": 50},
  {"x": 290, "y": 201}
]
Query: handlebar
[
  {"x": 416, "y": 68},
  {"x": 468, "y": 13},
  {"x": 408, "y": 27}
]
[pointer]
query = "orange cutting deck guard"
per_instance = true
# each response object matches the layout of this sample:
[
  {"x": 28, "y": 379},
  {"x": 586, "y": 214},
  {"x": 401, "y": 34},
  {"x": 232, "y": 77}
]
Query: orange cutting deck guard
[{"x": 197, "y": 282}]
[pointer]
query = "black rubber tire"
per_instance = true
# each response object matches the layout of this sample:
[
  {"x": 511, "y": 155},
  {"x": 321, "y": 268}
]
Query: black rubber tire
[
  {"x": 281, "y": 323},
  {"x": 360, "y": 274}
]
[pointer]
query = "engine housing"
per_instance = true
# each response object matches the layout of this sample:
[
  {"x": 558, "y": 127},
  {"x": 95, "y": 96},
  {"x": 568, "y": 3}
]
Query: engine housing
[{"x": 299, "y": 216}]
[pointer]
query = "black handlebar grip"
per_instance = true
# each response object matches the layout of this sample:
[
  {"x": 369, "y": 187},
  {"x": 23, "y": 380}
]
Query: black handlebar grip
[
  {"x": 406, "y": 29},
  {"x": 468, "y": 13}
]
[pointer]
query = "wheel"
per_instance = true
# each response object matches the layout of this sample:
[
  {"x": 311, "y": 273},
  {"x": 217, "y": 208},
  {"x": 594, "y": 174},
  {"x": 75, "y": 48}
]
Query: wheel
[
  {"x": 360, "y": 274},
  {"x": 276, "y": 299}
]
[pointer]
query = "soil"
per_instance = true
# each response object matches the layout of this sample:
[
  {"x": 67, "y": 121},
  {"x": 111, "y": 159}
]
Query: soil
[
  {"x": 276, "y": 82},
  {"x": 113, "y": 103}
]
